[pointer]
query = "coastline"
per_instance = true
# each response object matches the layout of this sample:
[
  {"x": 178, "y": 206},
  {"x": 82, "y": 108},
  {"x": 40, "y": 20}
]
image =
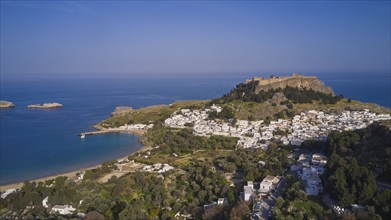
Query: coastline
[
  {"x": 137, "y": 132},
  {"x": 102, "y": 131},
  {"x": 72, "y": 174}
]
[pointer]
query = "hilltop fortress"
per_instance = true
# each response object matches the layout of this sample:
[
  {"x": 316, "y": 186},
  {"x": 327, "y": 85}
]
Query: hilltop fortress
[{"x": 296, "y": 80}]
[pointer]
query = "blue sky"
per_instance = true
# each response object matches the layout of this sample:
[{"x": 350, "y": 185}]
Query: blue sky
[{"x": 98, "y": 37}]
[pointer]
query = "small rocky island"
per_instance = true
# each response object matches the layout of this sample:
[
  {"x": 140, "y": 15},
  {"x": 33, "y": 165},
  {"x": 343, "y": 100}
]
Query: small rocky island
[
  {"x": 6, "y": 104},
  {"x": 46, "y": 105}
]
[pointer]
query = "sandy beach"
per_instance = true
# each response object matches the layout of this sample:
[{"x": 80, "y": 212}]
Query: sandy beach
[
  {"x": 20, "y": 184},
  {"x": 72, "y": 174}
]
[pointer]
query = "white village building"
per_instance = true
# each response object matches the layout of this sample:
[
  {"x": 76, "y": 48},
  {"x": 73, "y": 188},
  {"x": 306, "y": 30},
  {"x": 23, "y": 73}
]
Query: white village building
[
  {"x": 63, "y": 209},
  {"x": 268, "y": 184}
]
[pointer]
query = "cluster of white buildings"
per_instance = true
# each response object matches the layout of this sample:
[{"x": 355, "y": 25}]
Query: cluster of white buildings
[
  {"x": 309, "y": 168},
  {"x": 246, "y": 131},
  {"x": 316, "y": 125},
  {"x": 310, "y": 125},
  {"x": 268, "y": 184},
  {"x": 158, "y": 167},
  {"x": 183, "y": 117},
  {"x": 135, "y": 127}
]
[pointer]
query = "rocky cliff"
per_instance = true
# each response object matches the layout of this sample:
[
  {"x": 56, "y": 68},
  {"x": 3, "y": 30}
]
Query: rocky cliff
[
  {"x": 296, "y": 80},
  {"x": 5, "y": 104},
  {"x": 46, "y": 105}
]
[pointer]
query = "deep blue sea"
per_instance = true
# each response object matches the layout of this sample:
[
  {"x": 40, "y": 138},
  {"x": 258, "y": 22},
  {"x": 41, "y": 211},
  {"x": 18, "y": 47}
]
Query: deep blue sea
[{"x": 38, "y": 143}]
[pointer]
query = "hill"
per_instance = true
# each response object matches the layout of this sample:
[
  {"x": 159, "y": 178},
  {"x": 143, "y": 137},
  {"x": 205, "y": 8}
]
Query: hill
[
  {"x": 256, "y": 99},
  {"x": 296, "y": 81},
  {"x": 296, "y": 89}
]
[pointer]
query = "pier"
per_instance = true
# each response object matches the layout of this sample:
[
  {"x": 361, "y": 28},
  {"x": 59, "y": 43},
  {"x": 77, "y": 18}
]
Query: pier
[
  {"x": 131, "y": 131},
  {"x": 99, "y": 132}
]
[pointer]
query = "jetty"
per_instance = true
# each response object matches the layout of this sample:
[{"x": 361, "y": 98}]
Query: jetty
[
  {"x": 99, "y": 132},
  {"x": 132, "y": 131}
]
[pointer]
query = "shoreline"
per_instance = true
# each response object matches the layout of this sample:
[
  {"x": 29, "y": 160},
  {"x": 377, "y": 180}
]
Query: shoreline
[{"x": 72, "y": 174}]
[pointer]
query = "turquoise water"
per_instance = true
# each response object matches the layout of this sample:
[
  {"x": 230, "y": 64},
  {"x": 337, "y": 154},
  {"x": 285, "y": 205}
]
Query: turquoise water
[{"x": 37, "y": 143}]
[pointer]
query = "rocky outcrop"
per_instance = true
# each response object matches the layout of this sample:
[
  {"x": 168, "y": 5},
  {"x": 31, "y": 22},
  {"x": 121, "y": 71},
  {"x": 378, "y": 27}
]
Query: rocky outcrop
[
  {"x": 296, "y": 80},
  {"x": 121, "y": 109},
  {"x": 6, "y": 104},
  {"x": 278, "y": 98},
  {"x": 46, "y": 105}
]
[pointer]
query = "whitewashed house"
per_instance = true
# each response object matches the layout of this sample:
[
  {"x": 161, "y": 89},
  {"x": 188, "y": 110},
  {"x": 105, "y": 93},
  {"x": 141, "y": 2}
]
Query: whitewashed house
[
  {"x": 248, "y": 193},
  {"x": 319, "y": 159},
  {"x": 63, "y": 209},
  {"x": 268, "y": 184},
  {"x": 45, "y": 202}
]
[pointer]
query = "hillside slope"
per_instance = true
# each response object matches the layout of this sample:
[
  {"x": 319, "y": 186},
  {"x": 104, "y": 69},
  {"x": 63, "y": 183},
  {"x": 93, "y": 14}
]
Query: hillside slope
[{"x": 296, "y": 81}]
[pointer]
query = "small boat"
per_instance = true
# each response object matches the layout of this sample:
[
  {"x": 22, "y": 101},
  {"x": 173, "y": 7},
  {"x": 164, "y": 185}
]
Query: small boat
[{"x": 82, "y": 136}]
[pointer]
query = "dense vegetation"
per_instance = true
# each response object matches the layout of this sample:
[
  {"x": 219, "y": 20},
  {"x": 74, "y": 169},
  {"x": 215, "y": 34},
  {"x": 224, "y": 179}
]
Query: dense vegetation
[
  {"x": 28, "y": 201},
  {"x": 226, "y": 114},
  {"x": 203, "y": 179},
  {"x": 357, "y": 159},
  {"x": 247, "y": 92},
  {"x": 99, "y": 171},
  {"x": 370, "y": 146},
  {"x": 295, "y": 204},
  {"x": 142, "y": 195},
  {"x": 135, "y": 196},
  {"x": 184, "y": 141},
  {"x": 246, "y": 162}
]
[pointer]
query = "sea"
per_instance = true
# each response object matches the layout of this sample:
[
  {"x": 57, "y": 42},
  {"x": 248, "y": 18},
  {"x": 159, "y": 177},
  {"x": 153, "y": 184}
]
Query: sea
[{"x": 36, "y": 143}]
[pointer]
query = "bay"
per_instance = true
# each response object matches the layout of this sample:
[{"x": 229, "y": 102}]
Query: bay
[{"x": 36, "y": 143}]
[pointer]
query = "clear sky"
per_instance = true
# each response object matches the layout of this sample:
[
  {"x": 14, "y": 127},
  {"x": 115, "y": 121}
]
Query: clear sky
[{"x": 89, "y": 37}]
